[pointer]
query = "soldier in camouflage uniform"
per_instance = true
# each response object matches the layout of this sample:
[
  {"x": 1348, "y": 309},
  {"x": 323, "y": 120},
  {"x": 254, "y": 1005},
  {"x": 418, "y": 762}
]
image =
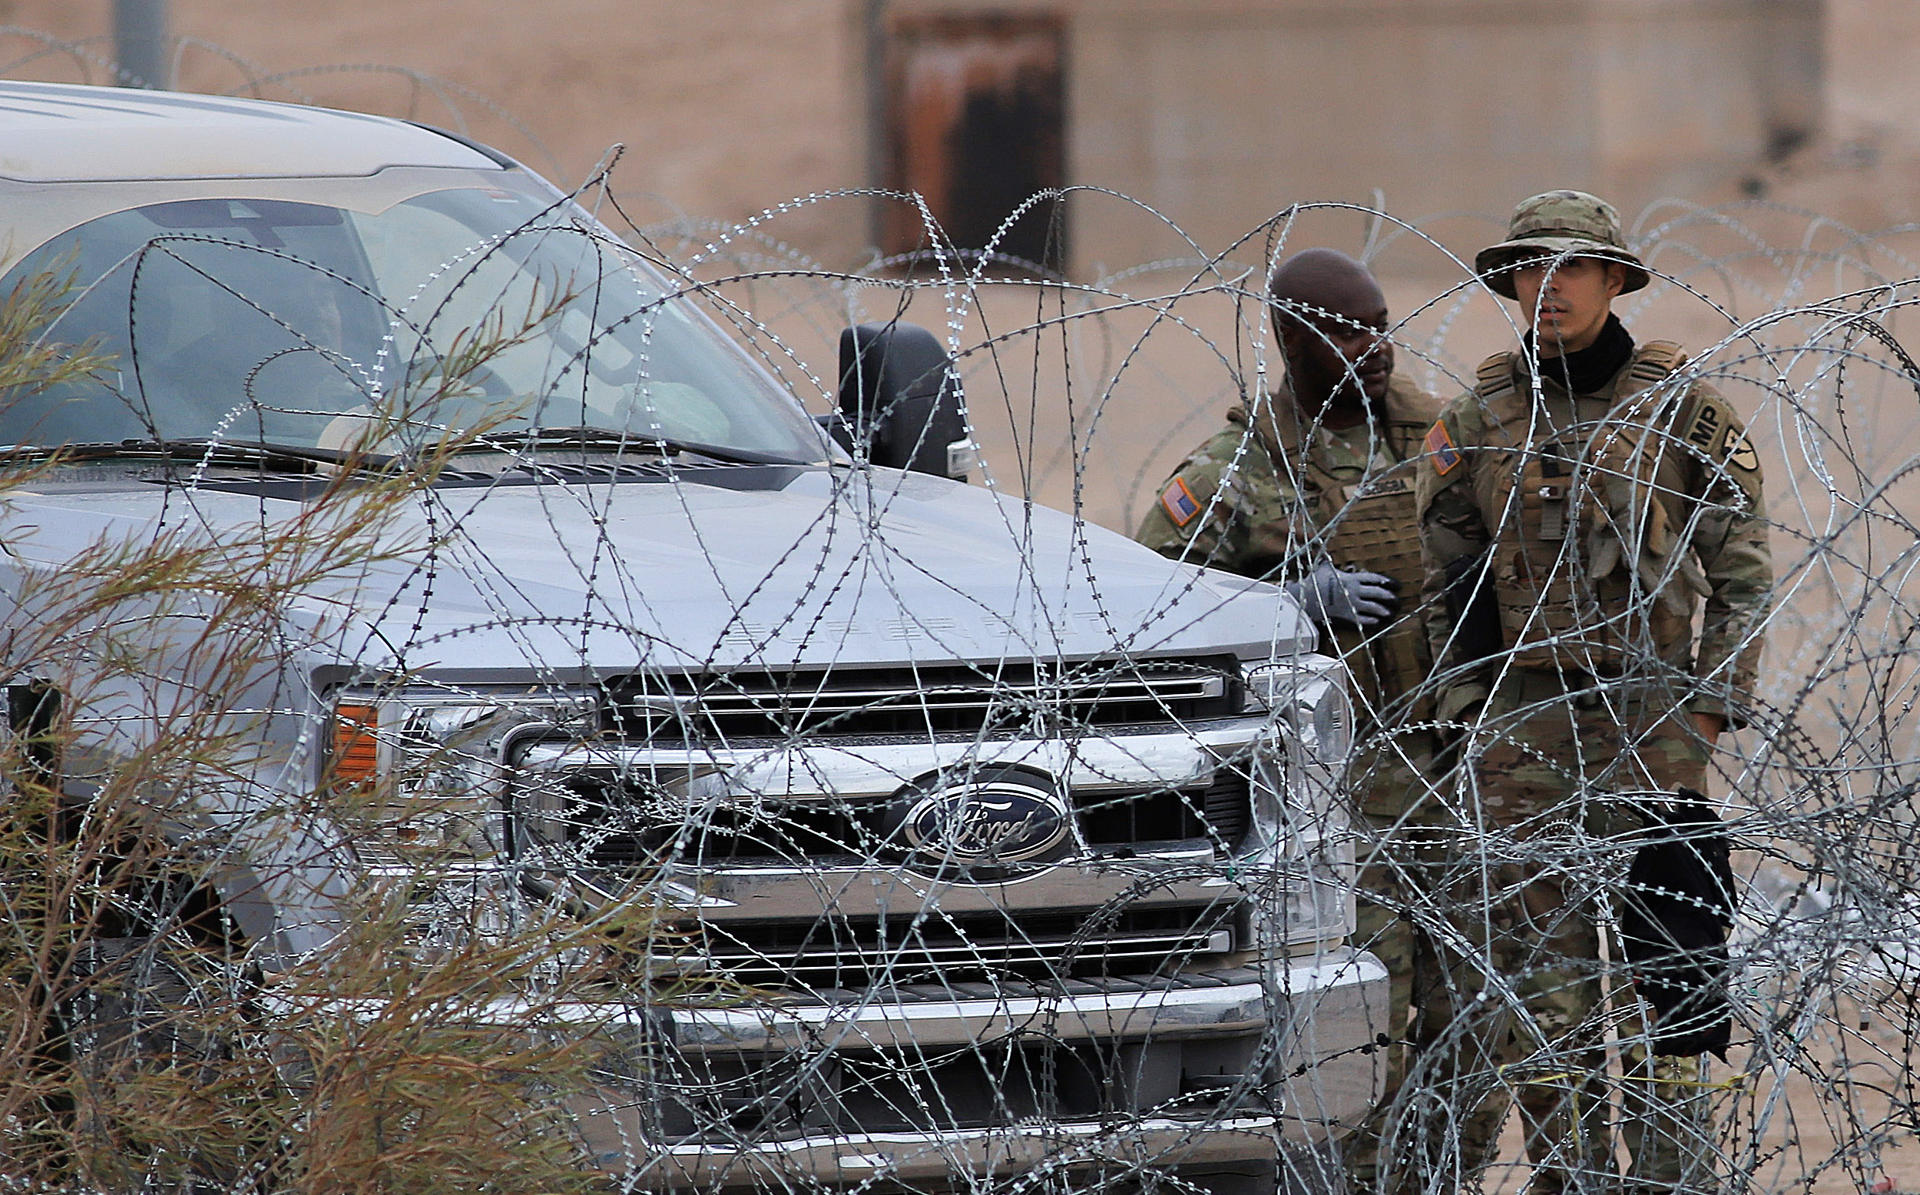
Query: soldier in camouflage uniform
[
  {"x": 1316, "y": 487},
  {"x": 1579, "y": 509}
]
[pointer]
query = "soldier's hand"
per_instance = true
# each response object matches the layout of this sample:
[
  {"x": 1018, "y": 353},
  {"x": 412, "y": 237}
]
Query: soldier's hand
[
  {"x": 1360, "y": 599},
  {"x": 1709, "y": 726}
]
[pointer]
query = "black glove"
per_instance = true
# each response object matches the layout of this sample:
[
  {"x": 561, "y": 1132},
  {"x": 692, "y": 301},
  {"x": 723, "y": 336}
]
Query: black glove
[
  {"x": 1675, "y": 914},
  {"x": 1331, "y": 595},
  {"x": 1473, "y": 607}
]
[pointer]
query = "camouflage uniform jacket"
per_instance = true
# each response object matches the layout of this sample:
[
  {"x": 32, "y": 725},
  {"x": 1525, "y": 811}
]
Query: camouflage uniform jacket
[
  {"x": 1611, "y": 521},
  {"x": 1291, "y": 495}
]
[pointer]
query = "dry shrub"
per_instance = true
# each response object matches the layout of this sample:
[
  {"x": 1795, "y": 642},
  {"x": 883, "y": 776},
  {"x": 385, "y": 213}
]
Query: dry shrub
[{"x": 146, "y": 1045}]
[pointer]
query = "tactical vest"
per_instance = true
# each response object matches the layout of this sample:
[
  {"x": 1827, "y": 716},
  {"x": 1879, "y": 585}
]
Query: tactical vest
[
  {"x": 1585, "y": 571},
  {"x": 1372, "y": 525}
]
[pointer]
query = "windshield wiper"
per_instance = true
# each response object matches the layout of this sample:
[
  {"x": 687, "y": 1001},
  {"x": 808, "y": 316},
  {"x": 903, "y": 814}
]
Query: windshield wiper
[
  {"x": 217, "y": 452},
  {"x": 601, "y": 439}
]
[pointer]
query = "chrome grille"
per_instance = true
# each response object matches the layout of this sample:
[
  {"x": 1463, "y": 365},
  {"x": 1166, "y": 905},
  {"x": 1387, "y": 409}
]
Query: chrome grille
[
  {"x": 964, "y": 700},
  {"x": 842, "y": 831},
  {"x": 832, "y": 951},
  {"x": 1219, "y": 813}
]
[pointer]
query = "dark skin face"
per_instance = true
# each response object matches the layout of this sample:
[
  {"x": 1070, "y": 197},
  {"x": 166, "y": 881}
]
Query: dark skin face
[{"x": 1331, "y": 318}]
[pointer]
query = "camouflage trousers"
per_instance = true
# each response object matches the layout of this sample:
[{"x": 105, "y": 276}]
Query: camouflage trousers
[
  {"x": 1530, "y": 1002},
  {"x": 1394, "y": 919}
]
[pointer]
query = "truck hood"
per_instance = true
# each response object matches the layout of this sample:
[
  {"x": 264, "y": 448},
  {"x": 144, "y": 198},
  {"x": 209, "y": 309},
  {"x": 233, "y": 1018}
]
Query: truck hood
[{"x": 806, "y": 567}]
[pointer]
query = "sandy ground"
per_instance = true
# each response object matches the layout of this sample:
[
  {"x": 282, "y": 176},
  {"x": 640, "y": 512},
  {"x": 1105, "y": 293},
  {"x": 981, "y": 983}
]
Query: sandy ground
[{"x": 1833, "y": 1121}]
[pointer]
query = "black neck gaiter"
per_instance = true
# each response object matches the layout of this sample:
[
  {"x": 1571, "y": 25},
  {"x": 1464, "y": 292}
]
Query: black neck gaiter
[{"x": 1592, "y": 367}]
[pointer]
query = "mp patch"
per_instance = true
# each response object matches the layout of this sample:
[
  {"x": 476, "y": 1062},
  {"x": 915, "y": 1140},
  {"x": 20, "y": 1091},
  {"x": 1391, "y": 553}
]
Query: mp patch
[
  {"x": 1440, "y": 448},
  {"x": 1179, "y": 503},
  {"x": 1709, "y": 425}
]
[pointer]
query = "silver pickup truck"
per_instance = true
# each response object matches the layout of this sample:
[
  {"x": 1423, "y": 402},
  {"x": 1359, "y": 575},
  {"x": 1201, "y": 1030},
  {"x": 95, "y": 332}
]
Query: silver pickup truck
[{"x": 973, "y": 845}]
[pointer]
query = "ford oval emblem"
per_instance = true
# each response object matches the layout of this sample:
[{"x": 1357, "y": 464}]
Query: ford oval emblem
[{"x": 985, "y": 820}]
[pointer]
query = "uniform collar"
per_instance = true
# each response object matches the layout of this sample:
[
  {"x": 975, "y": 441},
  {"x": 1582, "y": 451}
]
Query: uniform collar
[
  {"x": 1590, "y": 369},
  {"x": 1289, "y": 436},
  {"x": 1278, "y": 425}
]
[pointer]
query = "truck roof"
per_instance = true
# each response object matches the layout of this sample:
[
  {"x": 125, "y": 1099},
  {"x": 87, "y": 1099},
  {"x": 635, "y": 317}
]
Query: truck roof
[{"x": 56, "y": 132}]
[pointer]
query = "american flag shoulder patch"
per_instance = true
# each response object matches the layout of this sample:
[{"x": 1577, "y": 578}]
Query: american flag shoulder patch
[
  {"x": 1440, "y": 448},
  {"x": 1179, "y": 503}
]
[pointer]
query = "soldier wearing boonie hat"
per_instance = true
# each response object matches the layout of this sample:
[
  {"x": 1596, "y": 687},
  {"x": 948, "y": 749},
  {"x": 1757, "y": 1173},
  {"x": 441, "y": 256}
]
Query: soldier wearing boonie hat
[
  {"x": 1559, "y": 224},
  {"x": 1586, "y": 505}
]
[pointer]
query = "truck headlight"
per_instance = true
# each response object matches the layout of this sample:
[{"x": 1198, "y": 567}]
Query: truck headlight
[
  {"x": 1301, "y": 771},
  {"x": 1311, "y": 693},
  {"x": 418, "y": 774}
]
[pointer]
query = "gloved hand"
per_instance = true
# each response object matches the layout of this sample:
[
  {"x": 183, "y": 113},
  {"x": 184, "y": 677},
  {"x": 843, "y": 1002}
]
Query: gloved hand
[{"x": 1331, "y": 595}]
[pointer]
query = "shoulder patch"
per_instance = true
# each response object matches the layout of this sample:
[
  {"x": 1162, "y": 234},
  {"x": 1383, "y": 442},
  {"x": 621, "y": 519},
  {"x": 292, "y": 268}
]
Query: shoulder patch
[
  {"x": 1654, "y": 361},
  {"x": 1441, "y": 450},
  {"x": 1178, "y": 502},
  {"x": 1709, "y": 427},
  {"x": 1738, "y": 451}
]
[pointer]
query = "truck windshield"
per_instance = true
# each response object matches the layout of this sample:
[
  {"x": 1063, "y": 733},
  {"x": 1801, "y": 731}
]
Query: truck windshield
[{"x": 458, "y": 312}]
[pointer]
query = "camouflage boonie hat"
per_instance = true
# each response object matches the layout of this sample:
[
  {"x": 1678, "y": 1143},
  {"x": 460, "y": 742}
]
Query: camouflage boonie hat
[{"x": 1559, "y": 222}]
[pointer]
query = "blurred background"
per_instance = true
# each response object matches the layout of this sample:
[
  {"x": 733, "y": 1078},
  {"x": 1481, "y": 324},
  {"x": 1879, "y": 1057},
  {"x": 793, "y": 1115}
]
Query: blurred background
[{"x": 1216, "y": 113}]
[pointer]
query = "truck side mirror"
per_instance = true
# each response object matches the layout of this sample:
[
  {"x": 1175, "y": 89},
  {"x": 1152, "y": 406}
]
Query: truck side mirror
[{"x": 900, "y": 401}]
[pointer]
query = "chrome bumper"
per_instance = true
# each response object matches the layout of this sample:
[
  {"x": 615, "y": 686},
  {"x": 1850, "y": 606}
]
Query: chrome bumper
[
  {"x": 1119, "y": 1146},
  {"x": 1306, "y": 1018}
]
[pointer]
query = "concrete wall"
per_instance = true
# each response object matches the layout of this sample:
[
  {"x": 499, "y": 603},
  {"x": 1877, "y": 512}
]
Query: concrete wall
[
  {"x": 1220, "y": 114},
  {"x": 1867, "y": 171},
  {"x": 725, "y": 106},
  {"x": 1217, "y": 113},
  {"x": 1872, "y": 91}
]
